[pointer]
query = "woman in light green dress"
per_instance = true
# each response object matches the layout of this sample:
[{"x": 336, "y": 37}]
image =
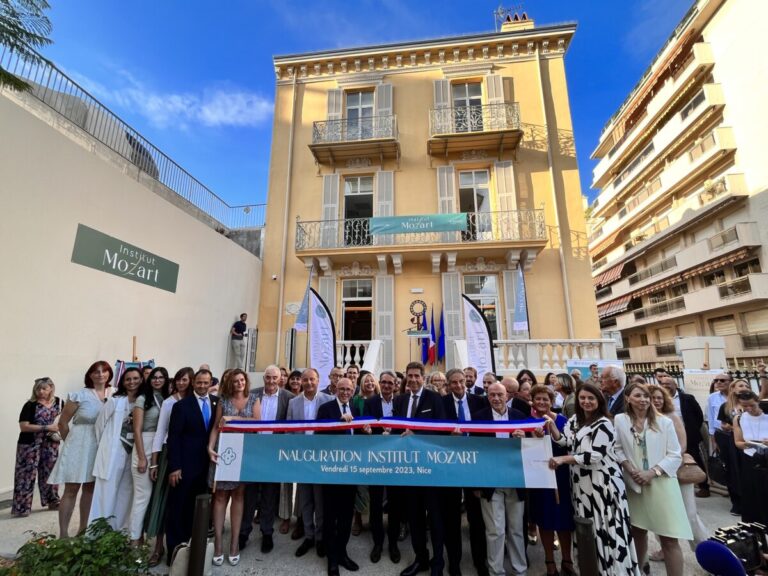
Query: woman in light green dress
[{"x": 649, "y": 452}]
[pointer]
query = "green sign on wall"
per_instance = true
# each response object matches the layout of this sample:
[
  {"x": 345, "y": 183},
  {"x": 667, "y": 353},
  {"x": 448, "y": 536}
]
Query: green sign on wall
[
  {"x": 418, "y": 223},
  {"x": 101, "y": 252}
]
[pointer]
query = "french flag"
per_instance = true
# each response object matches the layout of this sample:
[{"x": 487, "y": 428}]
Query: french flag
[{"x": 432, "y": 349}]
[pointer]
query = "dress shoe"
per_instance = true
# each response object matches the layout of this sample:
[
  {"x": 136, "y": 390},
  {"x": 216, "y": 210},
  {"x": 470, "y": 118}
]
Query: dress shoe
[
  {"x": 394, "y": 554},
  {"x": 702, "y": 493},
  {"x": 305, "y": 547},
  {"x": 242, "y": 542},
  {"x": 376, "y": 553},
  {"x": 298, "y": 531},
  {"x": 415, "y": 568},
  {"x": 348, "y": 563},
  {"x": 266, "y": 543},
  {"x": 403, "y": 534},
  {"x": 321, "y": 549},
  {"x": 333, "y": 571}
]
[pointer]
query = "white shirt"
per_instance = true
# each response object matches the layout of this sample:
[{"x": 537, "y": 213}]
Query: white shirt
[
  {"x": 676, "y": 402},
  {"x": 715, "y": 400},
  {"x": 269, "y": 407},
  {"x": 200, "y": 400},
  {"x": 310, "y": 411},
  {"x": 386, "y": 407},
  {"x": 342, "y": 410},
  {"x": 161, "y": 436},
  {"x": 411, "y": 400},
  {"x": 464, "y": 406},
  {"x": 497, "y": 417}
]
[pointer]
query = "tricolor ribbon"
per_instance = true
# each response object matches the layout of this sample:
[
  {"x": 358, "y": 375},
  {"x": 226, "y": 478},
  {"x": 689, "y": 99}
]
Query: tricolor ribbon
[{"x": 483, "y": 427}]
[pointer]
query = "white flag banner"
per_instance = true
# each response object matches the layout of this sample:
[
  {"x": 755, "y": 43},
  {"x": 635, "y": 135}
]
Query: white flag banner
[
  {"x": 322, "y": 335},
  {"x": 479, "y": 342}
]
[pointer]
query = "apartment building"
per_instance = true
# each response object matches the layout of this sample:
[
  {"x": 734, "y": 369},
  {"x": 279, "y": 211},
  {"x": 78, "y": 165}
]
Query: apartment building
[
  {"x": 677, "y": 238},
  {"x": 467, "y": 142}
]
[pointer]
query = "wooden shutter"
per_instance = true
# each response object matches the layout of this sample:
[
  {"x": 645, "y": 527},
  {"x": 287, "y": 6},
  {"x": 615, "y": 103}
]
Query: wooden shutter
[
  {"x": 666, "y": 335},
  {"x": 384, "y": 204},
  {"x": 494, "y": 89},
  {"x": 756, "y": 321},
  {"x": 687, "y": 330},
  {"x": 446, "y": 198},
  {"x": 385, "y": 319},
  {"x": 452, "y": 309},
  {"x": 329, "y": 227},
  {"x": 326, "y": 287},
  {"x": 383, "y": 126},
  {"x": 442, "y": 94},
  {"x": 442, "y": 115},
  {"x": 506, "y": 221},
  {"x": 335, "y": 102}
]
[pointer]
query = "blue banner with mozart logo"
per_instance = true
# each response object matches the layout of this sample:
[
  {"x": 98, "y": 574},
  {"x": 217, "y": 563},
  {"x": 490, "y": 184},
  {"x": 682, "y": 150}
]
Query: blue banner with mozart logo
[
  {"x": 418, "y": 223},
  {"x": 389, "y": 460}
]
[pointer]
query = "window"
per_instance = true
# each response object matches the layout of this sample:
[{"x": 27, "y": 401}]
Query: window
[
  {"x": 666, "y": 335},
  {"x": 467, "y": 99},
  {"x": 656, "y": 297},
  {"x": 751, "y": 267},
  {"x": 756, "y": 321},
  {"x": 643, "y": 339},
  {"x": 358, "y": 208},
  {"x": 357, "y": 308},
  {"x": 679, "y": 290},
  {"x": 475, "y": 202},
  {"x": 692, "y": 105},
  {"x": 723, "y": 326},
  {"x": 483, "y": 291},
  {"x": 359, "y": 115},
  {"x": 717, "y": 277}
]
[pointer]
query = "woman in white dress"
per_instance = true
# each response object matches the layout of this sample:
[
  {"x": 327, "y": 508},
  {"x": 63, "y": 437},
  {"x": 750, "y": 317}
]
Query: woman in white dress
[
  {"x": 113, "y": 493},
  {"x": 74, "y": 468}
]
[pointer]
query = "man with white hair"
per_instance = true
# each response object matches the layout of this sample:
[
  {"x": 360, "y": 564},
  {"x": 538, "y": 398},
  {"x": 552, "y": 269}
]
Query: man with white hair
[{"x": 612, "y": 382}]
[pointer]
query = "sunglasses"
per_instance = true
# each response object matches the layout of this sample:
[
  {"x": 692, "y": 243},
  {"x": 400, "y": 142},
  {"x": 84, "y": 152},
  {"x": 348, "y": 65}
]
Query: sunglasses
[{"x": 720, "y": 380}]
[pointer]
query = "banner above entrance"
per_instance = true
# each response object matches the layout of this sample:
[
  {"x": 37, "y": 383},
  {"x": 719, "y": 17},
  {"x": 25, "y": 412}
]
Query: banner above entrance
[{"x": 418, "y": 223}]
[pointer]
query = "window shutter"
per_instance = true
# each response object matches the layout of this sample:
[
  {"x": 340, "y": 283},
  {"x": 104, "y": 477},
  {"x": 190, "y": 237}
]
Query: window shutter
[
  {"x": 442, "y": 94},
  {"x": 329, "y": 236},
  {"x": 384, "y": 204},
  {"x": 335, "y": 100},
  {"x": 723, "y": 326},
  {"x": 756, "y": 321},
  {"x": 494, "y": 89},
  {"x": 446, "y": 198},
  {"x": 507, "y": 220},
  {"x": 385, "y": 318},
  {"x": 442, "y": 116},
  {"x": 452, "y": 316},
  {"x": 666, "y": 335},
  {"x": 326, "y": 287},
  {"x": 687, "y": 330},
  {"x": 384, "y": 120}
]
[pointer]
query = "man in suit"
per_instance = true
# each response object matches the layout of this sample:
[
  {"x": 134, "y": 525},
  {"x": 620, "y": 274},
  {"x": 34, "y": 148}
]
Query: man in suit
[
  {"x": 503, "y": 508},
  {"x": 381, "y": 406},
  {"x": 304, "y": 407},
  {"x": 338, "y": 499},
  {"x": 688, "y": 409},
  {"x": 460, "y": 406},
  {"x": 188, "y": 460},
  {"x": 512, "y": 386},
  {"x": 470, "y": 373},
  {"x": 612, "y": 382},
  {"x": 274, "y": 406},
  {"x": 333, "y": 379},
  {"x": 423, "y": 404}
]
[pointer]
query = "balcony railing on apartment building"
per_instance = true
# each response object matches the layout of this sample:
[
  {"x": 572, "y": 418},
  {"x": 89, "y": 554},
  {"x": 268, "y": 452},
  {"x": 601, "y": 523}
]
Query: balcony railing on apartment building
[
  {"x": 734, "y": 288},
  {"x": 480, "y": 118},
  {"x": 509, "y": 226},
  {"x": 660, "y": 308},
  {"x": 653, "y": 270},
  {"x": 354, "y": 130},
  {"x": 62, "y": 94}
]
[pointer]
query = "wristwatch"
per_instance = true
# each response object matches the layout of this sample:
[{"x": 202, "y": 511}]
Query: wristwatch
[{"x": 657, "y": 472}]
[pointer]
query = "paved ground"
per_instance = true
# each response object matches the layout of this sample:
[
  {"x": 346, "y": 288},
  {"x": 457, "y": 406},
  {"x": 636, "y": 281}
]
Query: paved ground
[{"x": 282, "y": 562}]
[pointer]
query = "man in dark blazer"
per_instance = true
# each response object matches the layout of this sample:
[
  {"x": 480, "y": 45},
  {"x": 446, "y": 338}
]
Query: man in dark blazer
[
  {"x": 188, "y": 460},
  {"x": 612, "y": 382},
  {"x": 338, "y": 499},
  {"x": 421, "y": 403},
  {"x": 460, "y": 406},
  {"x": 274, "y": 406},
  {"x": 689, "y": 410},
  {"x": 380, "y": 406},
  {"x": 503, "y": 507}
]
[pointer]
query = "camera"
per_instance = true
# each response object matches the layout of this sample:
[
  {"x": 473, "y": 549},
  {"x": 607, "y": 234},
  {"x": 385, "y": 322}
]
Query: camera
[{"x": 747, "y": 540}]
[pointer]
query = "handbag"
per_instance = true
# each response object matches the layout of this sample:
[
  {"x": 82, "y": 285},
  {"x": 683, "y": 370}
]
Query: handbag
[
  {"x": 718, "y": 471},
  {"x": 690, "y": 472},
  {"x": 55, "y": 436},
  {"x": 180, "y": 560}
]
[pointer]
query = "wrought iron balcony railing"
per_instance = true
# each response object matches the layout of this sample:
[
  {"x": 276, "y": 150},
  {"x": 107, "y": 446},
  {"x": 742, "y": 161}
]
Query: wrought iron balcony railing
[
  {"x": 354, "y": 130},
  {"x": 481, "y": 118},
  {"x": 510, "y": 226}
]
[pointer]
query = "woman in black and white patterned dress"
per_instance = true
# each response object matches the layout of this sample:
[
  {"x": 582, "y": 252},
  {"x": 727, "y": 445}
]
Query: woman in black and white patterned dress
[{"x": 598, "y": 486}]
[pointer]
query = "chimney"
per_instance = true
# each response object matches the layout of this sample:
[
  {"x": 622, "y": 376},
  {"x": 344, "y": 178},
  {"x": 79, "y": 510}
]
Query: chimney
[{"x": 516, "y": 23}]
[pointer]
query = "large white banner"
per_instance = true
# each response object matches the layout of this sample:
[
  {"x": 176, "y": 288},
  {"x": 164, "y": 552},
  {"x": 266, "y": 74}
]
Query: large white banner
[
  {"x": 479, "y": 343},
  {"x": 322, "y": 336}
]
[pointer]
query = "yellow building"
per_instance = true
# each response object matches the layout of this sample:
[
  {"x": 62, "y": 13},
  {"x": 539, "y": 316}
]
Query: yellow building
[
  {"x": 478, "y": 126},
  {"x": 677, "y": 234}
]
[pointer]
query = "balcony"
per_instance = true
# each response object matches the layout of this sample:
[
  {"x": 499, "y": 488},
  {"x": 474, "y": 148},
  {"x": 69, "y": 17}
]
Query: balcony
[
  {"x": 547, "y": 355},
  {"x": 653, "y": 270},
  {"x": 701, "y": 62},
  {"x": 490, "y": 127},
  {"x": 662, "y": 308},
  {"x": 337, "y": 141},
  {"x": 738, "y": 287},
  {"x": 490, "y": 230}
]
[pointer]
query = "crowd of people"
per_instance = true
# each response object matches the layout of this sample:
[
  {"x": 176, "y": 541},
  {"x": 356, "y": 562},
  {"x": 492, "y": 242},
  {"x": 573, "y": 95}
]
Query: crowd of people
[{"x": 626, "y": 453}]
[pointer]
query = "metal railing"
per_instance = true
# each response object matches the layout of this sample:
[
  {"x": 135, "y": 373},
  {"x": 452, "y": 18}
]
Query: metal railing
[
  {"x": 62, "y": 94},
  {"x": 480, "y": 118},
  {"x": 513, "y": 225},
  {"x": 734, "y": 288},
  {"x": 653, "y": 270},
  {"x": 661, "y": 308},
  {"x": 723, "y": 238},
  {"x": 354, "y": 130}
]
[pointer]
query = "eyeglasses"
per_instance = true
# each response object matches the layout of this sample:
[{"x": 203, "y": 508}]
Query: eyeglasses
[
  {"x": 41, "y": 380},
  {"x": 721, "y": 380}
]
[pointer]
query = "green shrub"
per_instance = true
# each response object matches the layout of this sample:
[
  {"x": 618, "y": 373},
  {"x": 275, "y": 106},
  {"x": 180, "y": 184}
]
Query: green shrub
[{"x": 100, "y": 551}]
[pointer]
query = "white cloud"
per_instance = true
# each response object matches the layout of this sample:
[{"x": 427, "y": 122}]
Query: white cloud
[{"x": 213, "y": 107}]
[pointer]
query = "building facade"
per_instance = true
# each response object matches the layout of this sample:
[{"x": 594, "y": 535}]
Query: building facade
[
  {"x": 474, "y": 130},
  {"x": 676, "y": 233}
]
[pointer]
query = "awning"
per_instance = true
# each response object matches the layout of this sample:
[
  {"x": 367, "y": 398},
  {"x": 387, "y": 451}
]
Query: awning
[
  {"x": 609, "y": 276},
  {"x": 614, "y": 307},
  {"x": 674, "y": 280},
  {"x": 717, "y": 263}
]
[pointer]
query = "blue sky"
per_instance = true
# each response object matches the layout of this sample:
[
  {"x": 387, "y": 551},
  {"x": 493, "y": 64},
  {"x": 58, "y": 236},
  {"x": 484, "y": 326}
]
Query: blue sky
[{"x": 196, "y": 77}]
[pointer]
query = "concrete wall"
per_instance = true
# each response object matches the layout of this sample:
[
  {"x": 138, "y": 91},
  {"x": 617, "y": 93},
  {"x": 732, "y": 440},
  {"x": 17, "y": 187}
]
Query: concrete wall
[{"x": 56, "y": 316}]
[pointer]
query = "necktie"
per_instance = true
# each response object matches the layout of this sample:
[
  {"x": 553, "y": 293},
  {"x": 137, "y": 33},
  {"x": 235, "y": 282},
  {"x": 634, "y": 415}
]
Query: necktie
[
  {"x": 206, "y": 409},
  {"x": 610, "y": 402},
  {"x": 343, "y": 408},
  {"x": 414, "y": 404},
  {"x": 461, "y": 416}
]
